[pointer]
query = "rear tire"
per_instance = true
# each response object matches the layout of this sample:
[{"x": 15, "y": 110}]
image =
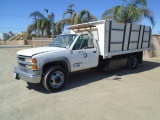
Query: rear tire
[
  {"x": 132, "y": 62},
  {"x": 55, "y": 78}
]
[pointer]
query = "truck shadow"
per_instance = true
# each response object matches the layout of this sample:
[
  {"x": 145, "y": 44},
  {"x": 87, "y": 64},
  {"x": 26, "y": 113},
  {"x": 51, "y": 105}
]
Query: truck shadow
[{"x": 83, "y": 78}]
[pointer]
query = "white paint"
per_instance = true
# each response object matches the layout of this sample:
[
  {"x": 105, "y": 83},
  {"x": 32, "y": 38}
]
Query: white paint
[{"x": 33, "y": 51}]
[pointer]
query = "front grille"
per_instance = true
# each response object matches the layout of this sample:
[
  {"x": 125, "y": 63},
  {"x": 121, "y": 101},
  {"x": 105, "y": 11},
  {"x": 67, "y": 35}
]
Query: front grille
[
  {"x": 22, "y": 65},
  {"x": 22, "y": 59}
]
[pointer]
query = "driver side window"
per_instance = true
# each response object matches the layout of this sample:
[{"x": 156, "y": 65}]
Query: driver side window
[{"x": 83, "y": 42}]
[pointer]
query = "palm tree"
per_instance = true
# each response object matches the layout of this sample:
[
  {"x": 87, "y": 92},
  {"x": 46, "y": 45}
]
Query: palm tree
[
  {"x": 69, "y": 11},
  {"x": 36, "y": 15},
  {"x": 51, "y": 19},
  {"x": 31, "y": 28},
  {"x": 131, "y": 12},
  {"x": 42, "y": 23},
  {"x": 67, "y": 21},
  {"x": 83, "y": 17}
]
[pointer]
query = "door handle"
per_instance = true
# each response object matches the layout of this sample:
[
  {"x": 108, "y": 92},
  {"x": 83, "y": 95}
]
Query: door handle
[
  {"x": 81, "y": 51},
  {"x": 94, "y": 51}
]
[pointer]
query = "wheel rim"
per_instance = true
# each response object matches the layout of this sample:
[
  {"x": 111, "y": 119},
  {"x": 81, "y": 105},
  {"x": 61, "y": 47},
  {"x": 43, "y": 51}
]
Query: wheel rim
[
  {"x": 57, "y": 79},
  {"x": 134, "y": 62}
]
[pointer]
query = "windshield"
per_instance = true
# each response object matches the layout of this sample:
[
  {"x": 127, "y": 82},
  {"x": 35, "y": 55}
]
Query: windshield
[{"x": 63, "y": 40}]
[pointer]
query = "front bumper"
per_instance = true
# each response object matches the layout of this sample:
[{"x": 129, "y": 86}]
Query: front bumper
[{"x": 20, "y": 75}]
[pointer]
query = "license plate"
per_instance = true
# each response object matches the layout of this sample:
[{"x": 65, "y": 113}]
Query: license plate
[{"x": 14, "y": 75}]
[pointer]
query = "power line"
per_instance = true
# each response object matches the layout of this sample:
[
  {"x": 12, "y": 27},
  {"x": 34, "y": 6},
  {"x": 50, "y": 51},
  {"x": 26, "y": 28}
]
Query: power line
[
  {"x": 2, "y": 15},
  {"x": 11, "y": 28}
]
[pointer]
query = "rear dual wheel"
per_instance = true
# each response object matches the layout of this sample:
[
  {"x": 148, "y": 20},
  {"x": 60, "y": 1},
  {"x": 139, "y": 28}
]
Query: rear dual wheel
[
  {"x": 132, "y": 62},
  {"x": 55, "y": 78}
]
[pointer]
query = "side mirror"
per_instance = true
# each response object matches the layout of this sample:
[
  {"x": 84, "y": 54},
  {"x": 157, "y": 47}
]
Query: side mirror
[
  {"x": 90, "y": 36},
  {"x": 90, "y": 41}
]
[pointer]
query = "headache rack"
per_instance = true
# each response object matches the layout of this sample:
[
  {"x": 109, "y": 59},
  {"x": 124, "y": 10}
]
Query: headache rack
[{"x": 78, "y": 27}]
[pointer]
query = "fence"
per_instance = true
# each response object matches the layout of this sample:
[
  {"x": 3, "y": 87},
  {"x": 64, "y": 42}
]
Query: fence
[
  {"x": 155, "y": 47},
  {"x": 28, "y": 42},
  {"x": 40, "y": 42},
  {"x": 36, "y": 42},
  {"x": 16, "y": 42}
]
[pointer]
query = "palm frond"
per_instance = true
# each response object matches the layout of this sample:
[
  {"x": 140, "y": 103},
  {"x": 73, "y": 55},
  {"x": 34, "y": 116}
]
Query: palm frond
[
  {"x": 93, "y": 18},
  {"x": 46, "y": 10},
  {"x": 31, "y": 28},
  {"x": 37, "y": 14},
  {"x": 131, "y": 12},
  {"x": 107, "y": 13},
  {"x": 42, "y": 23},
  {"x": 85, "y": 16},
  {"x": 62, "y": 23},
  {"x": 73, "y": 19},
  {"x": 144, "y": 3},
  {"x": 51, "y": 16},
  {"x": 148, "y": 14}
]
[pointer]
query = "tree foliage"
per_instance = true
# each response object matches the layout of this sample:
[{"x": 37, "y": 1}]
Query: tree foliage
[
  {"x": 41, "y": 23},
  {"x": 83, "y": 17},
  {"x": 131, "y": 12}
]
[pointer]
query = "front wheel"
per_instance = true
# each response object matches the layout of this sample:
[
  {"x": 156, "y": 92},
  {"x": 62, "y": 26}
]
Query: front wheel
[
  {"x": 132, "y": 62},
  {"x": 55, "y": 78}
]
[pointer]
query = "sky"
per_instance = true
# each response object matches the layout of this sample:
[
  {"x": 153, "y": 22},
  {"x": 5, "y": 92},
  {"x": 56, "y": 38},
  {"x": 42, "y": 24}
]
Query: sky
[{"x": 14, "y": 14}]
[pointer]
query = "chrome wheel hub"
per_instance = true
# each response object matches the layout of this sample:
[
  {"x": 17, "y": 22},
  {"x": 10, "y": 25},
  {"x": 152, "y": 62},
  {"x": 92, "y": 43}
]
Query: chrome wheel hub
[{"x": 57, "y": 79}]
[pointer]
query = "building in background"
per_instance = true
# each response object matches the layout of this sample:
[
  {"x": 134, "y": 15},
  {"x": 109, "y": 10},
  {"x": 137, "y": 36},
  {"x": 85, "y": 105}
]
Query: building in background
[{"x": 6, "y": 36}]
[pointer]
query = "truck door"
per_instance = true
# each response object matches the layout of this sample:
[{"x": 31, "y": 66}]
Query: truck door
[{"x": 84, "y": 54}]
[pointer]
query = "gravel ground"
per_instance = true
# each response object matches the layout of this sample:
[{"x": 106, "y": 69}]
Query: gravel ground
[{"x": 92, "y": 95}]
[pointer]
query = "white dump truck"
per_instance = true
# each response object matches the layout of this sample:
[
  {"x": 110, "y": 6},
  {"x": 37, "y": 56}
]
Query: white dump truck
[{"x": 104, "y": 44}]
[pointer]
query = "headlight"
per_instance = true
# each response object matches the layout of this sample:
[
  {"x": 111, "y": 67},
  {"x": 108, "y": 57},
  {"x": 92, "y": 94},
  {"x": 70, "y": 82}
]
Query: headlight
[
  {"x": 33, "y": 60},
  {"x": 28, "y": 60},
  {"x": 28, "y": 66}
]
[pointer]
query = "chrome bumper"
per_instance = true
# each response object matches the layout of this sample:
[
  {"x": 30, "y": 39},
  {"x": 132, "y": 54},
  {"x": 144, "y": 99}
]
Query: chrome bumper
[{"x": 20, "y": 75}]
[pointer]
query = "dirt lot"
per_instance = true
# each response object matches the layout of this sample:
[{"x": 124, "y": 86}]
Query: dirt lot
[{"x": 93, "y": 95}]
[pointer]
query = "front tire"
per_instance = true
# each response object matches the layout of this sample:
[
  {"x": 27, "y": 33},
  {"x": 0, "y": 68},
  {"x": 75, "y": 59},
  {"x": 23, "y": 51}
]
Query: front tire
[
  {"x": 55, "y": 78},
  {"x": 132, "y": 62}
]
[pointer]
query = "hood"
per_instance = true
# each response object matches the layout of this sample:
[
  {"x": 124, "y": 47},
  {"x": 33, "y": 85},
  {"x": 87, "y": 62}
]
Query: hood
[{"x": 33, "y": 51}]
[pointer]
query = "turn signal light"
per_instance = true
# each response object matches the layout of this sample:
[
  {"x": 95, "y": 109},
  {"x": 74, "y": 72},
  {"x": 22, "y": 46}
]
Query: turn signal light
[
  {"x": 34, "y": 60},
  {"x": 34, "y": 67}
]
